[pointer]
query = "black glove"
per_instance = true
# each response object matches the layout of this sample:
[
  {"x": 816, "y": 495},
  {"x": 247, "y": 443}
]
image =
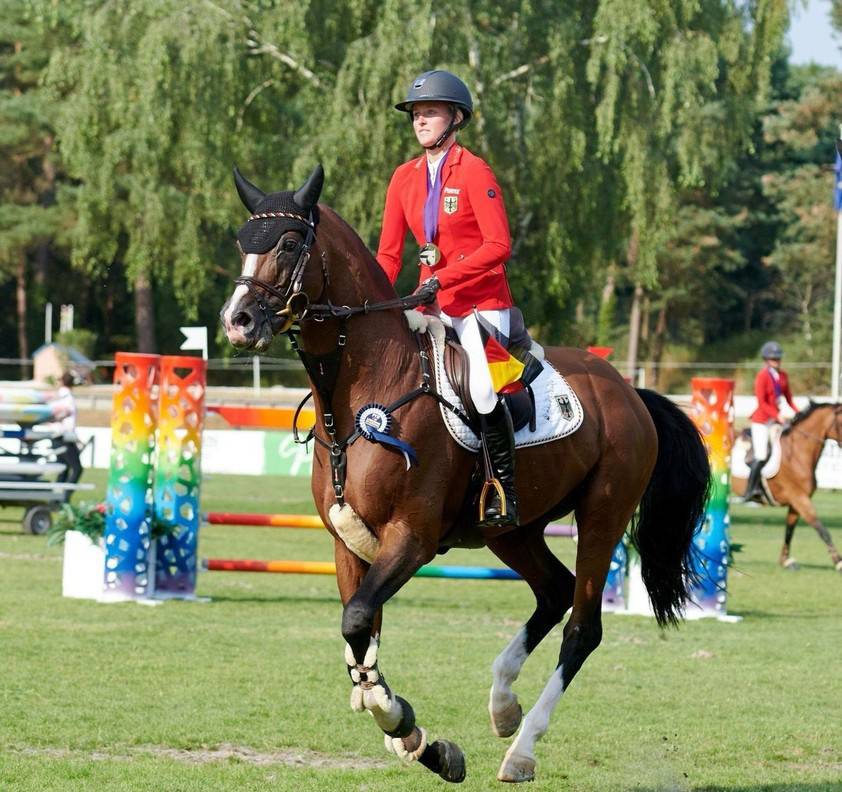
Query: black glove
[{"x": 427, "y": 290}]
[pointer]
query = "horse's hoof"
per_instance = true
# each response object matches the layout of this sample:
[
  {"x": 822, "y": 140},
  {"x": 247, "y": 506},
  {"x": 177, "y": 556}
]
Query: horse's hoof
[
  {"x": 504, "y": 722},
  {"x": 791, "y": 564},
  {"x": 839, "y": 566},
  {"x": 516, "y": 769},
  {"x": 446, "y": 759}
]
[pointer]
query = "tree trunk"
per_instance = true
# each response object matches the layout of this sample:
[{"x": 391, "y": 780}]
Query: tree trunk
[
  {"x": 20, "y": 303},
  {"x": 632, "y": 254},
  {"x": 748, "y": 311},
  {"x": 658, "y": 375},
  {"x": 144, "y": 315},
  {"x": 634, "y": 333},
  {"x": 605, "y": 322}
]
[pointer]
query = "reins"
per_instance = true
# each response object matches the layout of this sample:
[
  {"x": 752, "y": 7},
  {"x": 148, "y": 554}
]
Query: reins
[{"x": 818, "y": 439}]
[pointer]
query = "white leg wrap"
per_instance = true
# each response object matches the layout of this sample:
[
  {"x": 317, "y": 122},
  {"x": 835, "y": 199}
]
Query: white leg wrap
[
  {"x": 368, "y": 692},
  {"x": 537, "y": 720},
  {"x": 505, "y": 670},
  {"x": 354, "y": 532},
  {"x": 395, "y": 745}
]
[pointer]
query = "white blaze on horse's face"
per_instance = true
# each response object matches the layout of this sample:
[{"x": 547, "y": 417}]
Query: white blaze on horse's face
[{"x": 234, "y": 331}]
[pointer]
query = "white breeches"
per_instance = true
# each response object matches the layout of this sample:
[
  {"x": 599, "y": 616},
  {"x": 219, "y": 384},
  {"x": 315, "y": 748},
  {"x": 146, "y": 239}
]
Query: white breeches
[
  {"x": 760, "y": 440},
  {"x": 467, "y": 328}
]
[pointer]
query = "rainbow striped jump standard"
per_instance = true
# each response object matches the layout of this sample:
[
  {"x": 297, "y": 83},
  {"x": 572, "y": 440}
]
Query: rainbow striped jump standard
[{"x": 329, "y": 568}]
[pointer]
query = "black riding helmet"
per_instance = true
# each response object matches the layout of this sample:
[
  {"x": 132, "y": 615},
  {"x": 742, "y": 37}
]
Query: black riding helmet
[{"x": 440, "y": 86}]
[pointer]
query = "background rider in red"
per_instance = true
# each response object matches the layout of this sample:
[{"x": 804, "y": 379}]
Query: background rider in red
[
  {"x": 771, "y": 387},
  {"x": 451, "y": 202}
]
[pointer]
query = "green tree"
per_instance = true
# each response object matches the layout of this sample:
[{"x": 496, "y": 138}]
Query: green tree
[
  {"x": 28, "y": 217},
  {"x": 152, "y": 99},
  {"x": 804, "y": 131}
]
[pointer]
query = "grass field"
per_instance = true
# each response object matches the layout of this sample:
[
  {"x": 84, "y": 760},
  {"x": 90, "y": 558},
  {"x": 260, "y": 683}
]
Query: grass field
[{"x": 249, "y": 692}]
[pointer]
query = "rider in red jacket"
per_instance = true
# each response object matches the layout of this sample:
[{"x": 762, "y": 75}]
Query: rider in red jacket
[
  {"x": 451, "y": 202},
  {"x": 771, "y": 387}
]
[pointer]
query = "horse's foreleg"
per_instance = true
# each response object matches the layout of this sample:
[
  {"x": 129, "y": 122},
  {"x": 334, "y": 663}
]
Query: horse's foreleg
[
  {"x": 399, "y": 557},
  {"x": 806, "y": 509},
  {"x": 552, "y": 584},
  {"x": 786, "y": 561}
]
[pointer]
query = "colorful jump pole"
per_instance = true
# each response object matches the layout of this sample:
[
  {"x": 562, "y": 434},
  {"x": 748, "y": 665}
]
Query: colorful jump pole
[
  {"x": 129, "y": 495},
  {"x": 178, "y": 474},
  {"x": 712, "y": 410},
  {"x": 311, "y": 521},
  {"x": 329, "y": 568}
]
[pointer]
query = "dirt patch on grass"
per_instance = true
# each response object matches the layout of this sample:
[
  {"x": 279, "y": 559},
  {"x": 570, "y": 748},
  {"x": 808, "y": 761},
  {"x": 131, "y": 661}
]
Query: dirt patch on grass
[
  {"x": 30, "y": 557},
  {"x": 289, "y": 757}
]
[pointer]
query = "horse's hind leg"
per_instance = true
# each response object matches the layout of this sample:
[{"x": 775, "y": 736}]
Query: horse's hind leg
[
  {"x": 363, "y": 596},
  {"x": 600, "y": 528},
  {"x": 552, "y": 584},
  {"x": 786, "y": 561},
  {"x": 806, "y": 510}
]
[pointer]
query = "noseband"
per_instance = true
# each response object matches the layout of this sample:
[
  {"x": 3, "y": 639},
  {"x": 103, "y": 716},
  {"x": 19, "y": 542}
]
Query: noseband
[{"x": 295, "y": 300}]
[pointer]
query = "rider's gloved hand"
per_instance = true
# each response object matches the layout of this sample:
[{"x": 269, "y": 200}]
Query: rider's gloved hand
[{"x": 427, "y": 290}]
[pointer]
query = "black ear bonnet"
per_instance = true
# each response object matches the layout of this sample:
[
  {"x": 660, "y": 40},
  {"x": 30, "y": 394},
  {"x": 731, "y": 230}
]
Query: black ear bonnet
[{"x": 276, "y": 213}]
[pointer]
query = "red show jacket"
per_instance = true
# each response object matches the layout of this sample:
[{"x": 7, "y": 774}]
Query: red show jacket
[
  {"x": 473, "y": 233},
  {"x": 767, "y": 404}
]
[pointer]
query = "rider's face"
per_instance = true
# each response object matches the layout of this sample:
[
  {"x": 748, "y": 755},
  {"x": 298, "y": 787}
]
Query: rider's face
[
  {"x": 430, "y": 120},
  {"x": 774, "y": 362}
]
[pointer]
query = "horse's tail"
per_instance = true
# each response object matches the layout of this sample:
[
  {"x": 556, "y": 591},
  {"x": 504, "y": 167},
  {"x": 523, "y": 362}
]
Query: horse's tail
[{"x": 671, "y": 509}]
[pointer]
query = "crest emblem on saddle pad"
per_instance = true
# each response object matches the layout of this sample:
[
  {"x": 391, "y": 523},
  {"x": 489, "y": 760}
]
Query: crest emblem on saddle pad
[
  {"x": 565, "y": 407},
  {"x": 451, "y": 203}
]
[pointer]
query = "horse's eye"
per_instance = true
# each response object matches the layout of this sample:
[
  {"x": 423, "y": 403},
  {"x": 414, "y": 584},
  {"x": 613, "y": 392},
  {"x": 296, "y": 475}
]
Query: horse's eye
[{"x": 289, "y": 245}]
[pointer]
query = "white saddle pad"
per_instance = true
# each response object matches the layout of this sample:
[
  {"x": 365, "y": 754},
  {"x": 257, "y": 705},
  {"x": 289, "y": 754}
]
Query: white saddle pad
[
  {"x": 742, "y": 445},
  {"x": 558, "y": 411}
]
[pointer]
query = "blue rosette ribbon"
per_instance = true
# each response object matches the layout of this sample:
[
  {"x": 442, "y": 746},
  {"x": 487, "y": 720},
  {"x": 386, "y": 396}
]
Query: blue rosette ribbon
[{"x": 375, "y": 425}]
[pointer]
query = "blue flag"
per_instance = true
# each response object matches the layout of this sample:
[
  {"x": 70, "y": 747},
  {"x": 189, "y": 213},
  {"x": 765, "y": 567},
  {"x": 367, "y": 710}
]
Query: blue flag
[{"x": 837, "y": 189}]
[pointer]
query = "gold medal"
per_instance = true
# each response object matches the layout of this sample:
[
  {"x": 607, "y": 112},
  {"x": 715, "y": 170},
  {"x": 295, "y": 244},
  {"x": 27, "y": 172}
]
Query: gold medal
[{"x": 429, "y": 255}]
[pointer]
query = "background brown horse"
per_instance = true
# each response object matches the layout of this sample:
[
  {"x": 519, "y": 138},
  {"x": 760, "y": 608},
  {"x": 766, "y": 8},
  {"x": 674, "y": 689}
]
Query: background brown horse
[
  {"x": 793, "y": 486},
  {"x": 634, "y": 447}
]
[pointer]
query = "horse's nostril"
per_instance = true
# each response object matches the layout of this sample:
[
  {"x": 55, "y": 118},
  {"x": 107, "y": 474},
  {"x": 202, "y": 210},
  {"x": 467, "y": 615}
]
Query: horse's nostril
[{"x": 241, "y": 319}]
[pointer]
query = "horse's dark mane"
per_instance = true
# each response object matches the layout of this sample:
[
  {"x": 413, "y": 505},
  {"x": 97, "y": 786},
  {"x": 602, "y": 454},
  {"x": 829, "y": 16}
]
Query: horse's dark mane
[
  {"x": 360, "y": 250},
  {"x": 806, "y": 413}
]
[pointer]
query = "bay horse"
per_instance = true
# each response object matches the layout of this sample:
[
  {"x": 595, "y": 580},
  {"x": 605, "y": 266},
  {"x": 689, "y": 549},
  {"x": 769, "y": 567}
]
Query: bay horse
[
  {"x": 793, "y": 485},
  {"x": 307, "y": 273}
]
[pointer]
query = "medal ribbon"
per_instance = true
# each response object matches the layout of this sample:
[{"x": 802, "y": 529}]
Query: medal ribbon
[{"x": 431, "y": 205}]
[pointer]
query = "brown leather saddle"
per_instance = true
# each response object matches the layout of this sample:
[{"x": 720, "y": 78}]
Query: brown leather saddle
[{"x": 456, "y": 368}]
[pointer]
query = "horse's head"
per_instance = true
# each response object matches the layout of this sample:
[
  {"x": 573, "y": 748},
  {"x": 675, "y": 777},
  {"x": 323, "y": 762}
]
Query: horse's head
[{"x": 275, "y": 245}]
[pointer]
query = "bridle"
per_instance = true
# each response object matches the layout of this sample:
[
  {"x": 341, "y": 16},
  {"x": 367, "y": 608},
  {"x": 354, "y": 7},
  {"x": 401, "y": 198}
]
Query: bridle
[{"x": 295, "y": 300}]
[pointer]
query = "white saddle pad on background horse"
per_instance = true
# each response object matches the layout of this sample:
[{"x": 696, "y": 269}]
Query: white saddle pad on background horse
[
  {"x": 558, "y": 411},
  {"x": 742, "y": 445}
]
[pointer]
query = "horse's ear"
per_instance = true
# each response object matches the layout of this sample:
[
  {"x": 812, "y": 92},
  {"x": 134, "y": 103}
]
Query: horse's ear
[
  {"x": 250, "y": 195},
  {"x": 308, "y": 195}
]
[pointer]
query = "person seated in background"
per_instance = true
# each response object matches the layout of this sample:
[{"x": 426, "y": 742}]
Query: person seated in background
[
  {"x": 771, "y": 387},
  {"x": 64, "y": 409}
]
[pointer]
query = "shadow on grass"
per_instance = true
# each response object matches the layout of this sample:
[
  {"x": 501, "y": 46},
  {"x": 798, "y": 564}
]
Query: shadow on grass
[
  {"x": 273, "y": 600},
  {"x": 772, "y": 616},
  {"x": 827, "y": 786}
]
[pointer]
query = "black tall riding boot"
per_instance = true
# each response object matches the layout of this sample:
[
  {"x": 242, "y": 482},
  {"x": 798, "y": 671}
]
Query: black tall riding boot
[
  {"x": 753, "y": 484},
  {"x": 498, "y": 438}
]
